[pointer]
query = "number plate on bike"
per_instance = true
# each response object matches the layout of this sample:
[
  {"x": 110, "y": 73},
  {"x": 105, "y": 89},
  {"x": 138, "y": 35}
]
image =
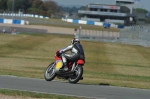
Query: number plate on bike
[{"x": 59, "y": 64}]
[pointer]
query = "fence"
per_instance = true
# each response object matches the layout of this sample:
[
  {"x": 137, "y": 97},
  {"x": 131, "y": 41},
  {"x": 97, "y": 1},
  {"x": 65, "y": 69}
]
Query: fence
[
  {"x": 98, "y": 35},
  {"x": 135, "y": 35}
]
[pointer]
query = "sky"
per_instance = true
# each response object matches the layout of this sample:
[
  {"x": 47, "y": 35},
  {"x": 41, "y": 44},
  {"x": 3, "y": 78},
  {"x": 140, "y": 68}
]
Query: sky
[{"x": 142, "y": 4}]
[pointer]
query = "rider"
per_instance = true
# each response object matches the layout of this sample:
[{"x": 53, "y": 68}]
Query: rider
[{"x": 77, "y": 52}]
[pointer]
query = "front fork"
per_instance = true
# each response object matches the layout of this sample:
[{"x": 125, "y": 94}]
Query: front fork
[
  {"x": 53, "y": 66},
  {"x": 73, "y": 67}
]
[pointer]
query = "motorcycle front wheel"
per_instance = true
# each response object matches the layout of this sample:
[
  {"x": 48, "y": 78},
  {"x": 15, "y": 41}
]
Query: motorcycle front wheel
[
  {"x": 77, "y": 76},
  {"x": 49, "y": 74}
]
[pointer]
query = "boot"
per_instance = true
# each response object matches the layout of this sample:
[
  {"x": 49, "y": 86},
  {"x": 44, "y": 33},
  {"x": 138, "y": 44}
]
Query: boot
[{"x": 65, "y": 67}]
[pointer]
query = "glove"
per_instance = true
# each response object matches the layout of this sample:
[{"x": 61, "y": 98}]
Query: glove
[{"x": 58, "y": 53}]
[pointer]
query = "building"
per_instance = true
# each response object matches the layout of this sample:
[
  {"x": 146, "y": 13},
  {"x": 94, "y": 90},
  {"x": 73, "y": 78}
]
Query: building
[
  {"x": 148, "y": 15},
  {"x": 121, "y": 13},
  {"x": 131, "y": 4}
]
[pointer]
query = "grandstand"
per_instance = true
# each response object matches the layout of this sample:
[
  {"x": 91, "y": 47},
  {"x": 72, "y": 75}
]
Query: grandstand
[{"x": 121, "y": 13}]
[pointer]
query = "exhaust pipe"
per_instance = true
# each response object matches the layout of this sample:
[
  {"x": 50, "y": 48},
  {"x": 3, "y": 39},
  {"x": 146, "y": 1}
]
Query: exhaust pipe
[{"x": 67, "y": 73}]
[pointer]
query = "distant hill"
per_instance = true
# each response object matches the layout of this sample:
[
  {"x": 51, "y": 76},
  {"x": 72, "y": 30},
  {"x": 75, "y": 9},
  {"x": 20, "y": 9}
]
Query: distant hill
[{"x": 78, "y": 6}]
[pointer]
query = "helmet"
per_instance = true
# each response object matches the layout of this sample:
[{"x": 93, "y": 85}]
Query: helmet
[{"x": 74, "y": 41}]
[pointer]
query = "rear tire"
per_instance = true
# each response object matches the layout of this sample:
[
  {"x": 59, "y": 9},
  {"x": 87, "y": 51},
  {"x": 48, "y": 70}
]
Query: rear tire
[
  {"x": 49, "y": 74},
  {"x": 77, "y": 76}
]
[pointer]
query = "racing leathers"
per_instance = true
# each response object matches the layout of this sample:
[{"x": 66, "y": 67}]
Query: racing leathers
[{"x": 77, "y": 52}]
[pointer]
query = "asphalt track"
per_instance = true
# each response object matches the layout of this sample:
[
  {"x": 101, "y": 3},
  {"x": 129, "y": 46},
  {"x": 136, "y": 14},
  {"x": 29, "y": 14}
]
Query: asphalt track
[{"x": 65, "y": 88}]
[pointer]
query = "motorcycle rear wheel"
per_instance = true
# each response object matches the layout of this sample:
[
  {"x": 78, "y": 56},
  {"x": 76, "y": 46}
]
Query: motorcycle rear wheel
[
  {"x": 77, "y": 76},
  {"x": 49, "y": 74}
]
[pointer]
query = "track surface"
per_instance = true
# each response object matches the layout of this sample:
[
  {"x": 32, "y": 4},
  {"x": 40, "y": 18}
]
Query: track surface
[{"x": 64, "y": 88}]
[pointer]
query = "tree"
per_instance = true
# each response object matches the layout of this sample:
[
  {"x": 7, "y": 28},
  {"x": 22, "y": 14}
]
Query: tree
[
  {"x": 9, "y": 5},
  {"x": 37, "y": 7},
  {"x": 52, "y": 7},
  {"x": 3, "y": 4},
  {"x": 147, "y": 20},
  {"x": 140, "y": 10},
  {"x": 22, "y": 4},
  {"x": 82, "y": 8},
  {"x": 18, "y": 4},
  {"x": 37, "y": 4}
]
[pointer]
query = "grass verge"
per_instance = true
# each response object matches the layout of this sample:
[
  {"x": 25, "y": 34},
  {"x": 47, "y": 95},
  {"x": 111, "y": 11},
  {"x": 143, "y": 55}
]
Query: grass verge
[
  {"x": 60, "y": 23},
  {"x": 33, "y": 95}
]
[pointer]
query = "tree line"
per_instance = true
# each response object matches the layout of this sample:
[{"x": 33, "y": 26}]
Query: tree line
[{"x": 45, "y": 8}]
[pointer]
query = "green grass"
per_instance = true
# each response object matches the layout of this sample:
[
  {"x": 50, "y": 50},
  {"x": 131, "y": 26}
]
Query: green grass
[
  {"x": 26, "y": 95},
  {"x": 28, "y": 55}
]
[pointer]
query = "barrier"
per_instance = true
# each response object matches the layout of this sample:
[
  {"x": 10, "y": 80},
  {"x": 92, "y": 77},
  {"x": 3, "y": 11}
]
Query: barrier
[
  {"x": 1, "y": 20},
  {"x": 16, "y": 22},
  {"x": 75, "y": 21},
  {"x": 106, "y": 25},
  {"x": 12, "y": 21},
  {"x": 120, "y": 26},
  {"x": 24, "y": 15},
  {"x": 90, "y": 22}
]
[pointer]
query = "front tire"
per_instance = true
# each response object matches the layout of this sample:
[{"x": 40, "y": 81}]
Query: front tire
[
  {"x": 49, "y": 74},
  {"x": 77, "y": 76}
]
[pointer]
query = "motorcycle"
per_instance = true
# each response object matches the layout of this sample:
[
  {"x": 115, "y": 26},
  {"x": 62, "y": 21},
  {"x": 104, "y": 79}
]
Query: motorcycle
[{"x": 73, "y": 75}]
